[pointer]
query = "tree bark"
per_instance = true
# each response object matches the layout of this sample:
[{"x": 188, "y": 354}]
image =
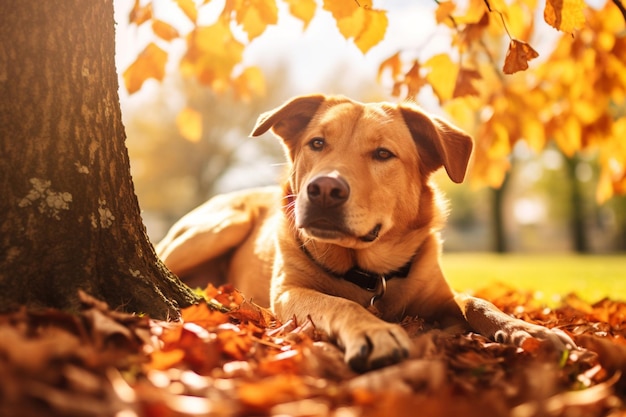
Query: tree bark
[{"x": 69, "y": 217}]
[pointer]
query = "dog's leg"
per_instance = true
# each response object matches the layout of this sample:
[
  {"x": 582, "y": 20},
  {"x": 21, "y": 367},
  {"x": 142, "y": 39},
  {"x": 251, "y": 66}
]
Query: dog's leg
[
  {"x": 207, "y": 232},
  {"x": 368, "y": 342},
  {"x": 486, "y": 319}
]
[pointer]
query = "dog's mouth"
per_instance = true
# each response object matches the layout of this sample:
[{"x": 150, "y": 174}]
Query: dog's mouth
[{"x": 325, "y": 229}]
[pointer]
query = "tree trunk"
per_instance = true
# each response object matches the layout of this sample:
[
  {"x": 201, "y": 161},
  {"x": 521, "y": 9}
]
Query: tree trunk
[
  {"x": 69, "y": 217},
  {"x": 577, "y": 203},
  {"x": 500, "y": 242}
]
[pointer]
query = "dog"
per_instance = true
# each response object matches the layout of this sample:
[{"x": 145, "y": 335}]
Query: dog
[{"x": 353, "y": 232}]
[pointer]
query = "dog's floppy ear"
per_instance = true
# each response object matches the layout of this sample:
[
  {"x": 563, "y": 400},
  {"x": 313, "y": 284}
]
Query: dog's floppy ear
[
  {"x": 440, "y": 143},
  {"x": 290, "y": 118}
]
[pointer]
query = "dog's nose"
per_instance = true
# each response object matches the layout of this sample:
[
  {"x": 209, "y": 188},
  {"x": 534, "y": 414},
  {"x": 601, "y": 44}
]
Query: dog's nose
[{"x": 326, "y": 192}]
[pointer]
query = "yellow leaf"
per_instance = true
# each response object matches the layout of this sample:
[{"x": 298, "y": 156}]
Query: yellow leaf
[
  {"x": 340, "y": 8},
  {"x": 474, "y": 12},
  {"x": 212, "y": 53},
  {"x": 366, "y": 27},
  {"x": 189, "y": 124},
  {"x": 140, "y": 14},
  {"x": 255, "y": 15},
  {"x": 568, "y": 136},
  {"x": 189, "y": 8},
  {"x": 565, "y": 15},
  {"x": 303, "y": 10},
  {"x": 366, "y": 4},
  {"x": 444, "y": 12},
  {"x": 517, "y": 56},
  {"x": 442, "y": 72},
  {"x": 374, "y": 30},
  {"x": 352, "y": 25},
  {"x": 164, "y": 30},
  {"x": 250, "y": 83},
  {"x": 149, "y": 64}
]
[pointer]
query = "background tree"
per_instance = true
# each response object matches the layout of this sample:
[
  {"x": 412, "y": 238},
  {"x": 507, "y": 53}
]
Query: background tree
[
  {"x": 70, "y": 219},
  {"x": 574, "y": 97}
]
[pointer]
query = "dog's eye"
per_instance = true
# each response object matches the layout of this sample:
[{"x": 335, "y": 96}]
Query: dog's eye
[
  {"x": 317, "y": 144},
  {"x": 382, "y": 154}
]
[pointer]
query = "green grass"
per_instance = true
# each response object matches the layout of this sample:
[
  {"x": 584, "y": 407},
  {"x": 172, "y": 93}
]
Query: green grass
[{"x": 591, "y": 277}]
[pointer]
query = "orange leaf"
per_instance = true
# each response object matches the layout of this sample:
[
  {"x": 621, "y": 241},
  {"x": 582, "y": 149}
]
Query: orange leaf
[
  {"x": 365, "y": 26},
  {"x": 517, "y": 56},
  {"x": 341, "y": 9},
  {"x": 212, "y": 53},
  {"x": 302, "y": 9},
  {"x": 464, "y": 86},
  {"x": 444, "y": 11},
  {"x": 149, "y": 64},
  {"x": 414, "y": 79},
  {"x": 201, "y": 315},
  {"x": 255, "y": 15},
  {"x": 189, "y": 8},
  {"x": 250, "y": 83},
  {"x": 394, "y": 65},
  {"x": 164, "y": 30},
  {"x": 565, "y": 15},
  {"x": 366, "y": 4},
  {"x": 162, "y": 360},
  {"x": 139, "y": 14},
  {"x": 189, "y": 124}
]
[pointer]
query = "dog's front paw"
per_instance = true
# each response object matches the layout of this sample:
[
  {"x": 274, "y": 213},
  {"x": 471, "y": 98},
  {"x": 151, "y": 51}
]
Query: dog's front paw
[
  {"x": 376, "y": 346},
  {"x": 519, "y": 331}
]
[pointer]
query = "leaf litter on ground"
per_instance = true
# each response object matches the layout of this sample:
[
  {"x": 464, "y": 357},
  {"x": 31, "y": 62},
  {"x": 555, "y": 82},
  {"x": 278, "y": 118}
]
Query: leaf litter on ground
[{"x": 230, "y": 357}]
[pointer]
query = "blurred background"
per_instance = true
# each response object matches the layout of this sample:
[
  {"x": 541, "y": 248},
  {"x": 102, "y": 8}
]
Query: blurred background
[{"x": 546, "y": 204}]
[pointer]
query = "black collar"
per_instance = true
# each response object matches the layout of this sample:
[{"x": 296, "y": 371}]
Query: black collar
[{"x": 367, "y": 280}]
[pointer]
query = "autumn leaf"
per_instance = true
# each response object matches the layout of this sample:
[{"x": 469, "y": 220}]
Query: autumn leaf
[
  {"x": 565, "y": 15},
  {"x": 250, "y": 83},
  {"x": 442, "y": 72},
  {"x": 414, "y": 80},
  {"x": 374, "y": 31},
  {"x": 212, "y": 53},
  {"x": 189, "y": 8},
  {"x": 149, "y": 64},
  {"x": 393, "y": 64},
  {"x": 464, "y": 86},
  {"x": 444, "y": 12},
  {"x": 367, "y": 27},
  {"x": 189, "y": 124},
  {"x": 341, "y": 9},
  {"x": 303, "y": 10},
  {"x": 517, "y": 56},
  {"x": 255, "y": 15},
  {"x": 164, "y": 30},
  {"x": 140, "y": 14}
]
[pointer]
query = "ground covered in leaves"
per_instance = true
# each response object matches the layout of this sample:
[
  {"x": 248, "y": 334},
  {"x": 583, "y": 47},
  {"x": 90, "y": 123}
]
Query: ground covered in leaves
[{"x": 230, "y": 357}]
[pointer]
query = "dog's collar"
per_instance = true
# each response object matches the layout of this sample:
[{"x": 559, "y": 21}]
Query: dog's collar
[{"x": 368, "y": 280}]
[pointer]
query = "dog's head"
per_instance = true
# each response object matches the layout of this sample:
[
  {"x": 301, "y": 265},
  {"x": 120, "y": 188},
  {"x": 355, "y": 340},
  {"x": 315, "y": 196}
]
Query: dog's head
[{"x": 359, "y": 170}]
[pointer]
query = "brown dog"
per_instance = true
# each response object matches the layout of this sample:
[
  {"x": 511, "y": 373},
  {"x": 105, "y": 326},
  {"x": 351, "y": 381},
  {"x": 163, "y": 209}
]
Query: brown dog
[{"x": 355, "y": 226}]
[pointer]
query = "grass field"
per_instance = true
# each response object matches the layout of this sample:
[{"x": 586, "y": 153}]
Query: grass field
[{"x": 591, "y": 277}]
